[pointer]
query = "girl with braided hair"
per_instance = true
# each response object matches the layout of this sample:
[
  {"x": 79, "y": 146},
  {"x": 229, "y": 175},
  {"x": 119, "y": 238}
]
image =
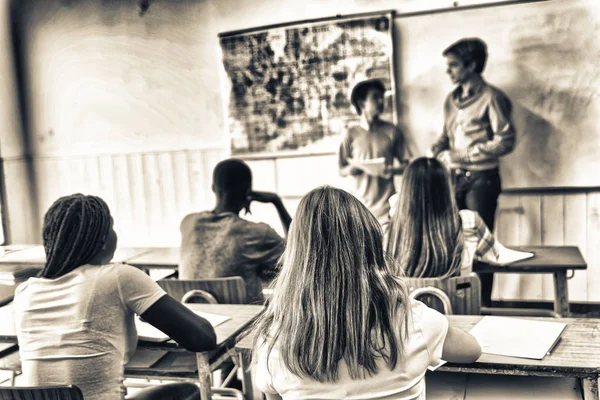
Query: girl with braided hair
[{"x": 75, "y": 321}]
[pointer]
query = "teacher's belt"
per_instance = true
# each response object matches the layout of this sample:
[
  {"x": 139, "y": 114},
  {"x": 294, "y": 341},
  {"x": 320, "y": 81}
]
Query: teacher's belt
[
  {"x": 468, "y": 173},
  {"x": 460, "y": 171}
]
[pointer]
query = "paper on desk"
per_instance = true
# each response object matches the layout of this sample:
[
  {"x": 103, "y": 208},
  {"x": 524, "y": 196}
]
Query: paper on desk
[
  {"x": 7, "y": 327},
  {"x": 506, "y": 256},
  {"x": 374, "y": 166},
  {"x": 32, "y": 254},
  {"x": 516, "y": 337},
  {"x": 150, "y": 333}
]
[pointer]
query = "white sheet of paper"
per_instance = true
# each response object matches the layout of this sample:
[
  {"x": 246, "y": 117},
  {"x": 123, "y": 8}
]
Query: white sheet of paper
[
  {"x": 515, "y": 337},
  {"x": 150, "y": 333},
  {"x": 33, "y": 254},
  {"x": 508, "y": 256},
  {"x": 374, "y": 166},
  {"x": 8, "y": 322}
]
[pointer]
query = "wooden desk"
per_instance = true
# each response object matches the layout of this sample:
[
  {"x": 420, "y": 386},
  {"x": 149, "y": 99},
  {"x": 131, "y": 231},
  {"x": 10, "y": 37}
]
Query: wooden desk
[
  {"x": 7, "y": 292},
  {"x": 33, "y": 255},
  {"x": 577, "y": 354},
  {"x": 227, "y": 333},
  {"x": 556, "y": 260},
  {"x": 158, "y": 257}
]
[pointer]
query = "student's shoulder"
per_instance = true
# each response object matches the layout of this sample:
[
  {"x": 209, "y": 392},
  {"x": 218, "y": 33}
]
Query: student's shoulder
[
  {"x": 120, "y": 272},
  {"x": 258, "y": 229},
  {"x": 351, "y": 132},
  {"x": 193, "y": 218},
  {"x": 426, "y": 318},
  {"x": 495, "y": 93}
]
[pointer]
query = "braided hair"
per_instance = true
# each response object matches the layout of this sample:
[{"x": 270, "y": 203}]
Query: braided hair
[{"x": 75, "y": 230}]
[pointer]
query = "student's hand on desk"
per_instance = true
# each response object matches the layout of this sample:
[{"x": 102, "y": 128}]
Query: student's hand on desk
[{"x": 263, "y": 197}]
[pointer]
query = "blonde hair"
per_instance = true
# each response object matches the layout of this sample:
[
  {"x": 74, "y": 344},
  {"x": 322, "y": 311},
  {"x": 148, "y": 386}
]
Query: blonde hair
[
  {"x": 335, "y": 298},
  {"x": 425, "y": 233}
]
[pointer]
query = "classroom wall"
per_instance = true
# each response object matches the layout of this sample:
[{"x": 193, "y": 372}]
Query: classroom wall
[
  {"x": 18, "y": 204},
  {"x": 128, "y": 107}
]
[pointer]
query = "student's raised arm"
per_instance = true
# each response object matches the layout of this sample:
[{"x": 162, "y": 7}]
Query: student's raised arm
[
  {"x": 273, "y": 198},
  {"x": 140, "y": 294}
]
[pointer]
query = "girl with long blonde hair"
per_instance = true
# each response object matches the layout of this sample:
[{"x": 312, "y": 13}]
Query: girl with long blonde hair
[
  {"x": 340, "y": 324},
  {"x": 428, "y": 235}
]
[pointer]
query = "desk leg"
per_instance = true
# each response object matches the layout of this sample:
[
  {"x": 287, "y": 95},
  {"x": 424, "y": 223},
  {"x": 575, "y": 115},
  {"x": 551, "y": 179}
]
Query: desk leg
[
  {"x": 561, "y": 294},
  {"x": 589, "y": 385},
  {"x": 250, "y": 392},
  {"x": 204, "y": 376}
]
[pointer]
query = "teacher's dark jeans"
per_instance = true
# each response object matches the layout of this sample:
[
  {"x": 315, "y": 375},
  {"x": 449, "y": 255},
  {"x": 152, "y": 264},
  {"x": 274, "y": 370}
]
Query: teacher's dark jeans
[{"x": 479, "y": 191}]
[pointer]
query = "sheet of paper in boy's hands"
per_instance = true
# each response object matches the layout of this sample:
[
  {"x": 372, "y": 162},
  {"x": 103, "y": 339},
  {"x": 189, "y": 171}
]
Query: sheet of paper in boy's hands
[
  {"x": 516, "y": 337},
  {"x": 149, "y": 333},
  {"x": 508, "y": 256},
  {"x": 374, "y": 166}
]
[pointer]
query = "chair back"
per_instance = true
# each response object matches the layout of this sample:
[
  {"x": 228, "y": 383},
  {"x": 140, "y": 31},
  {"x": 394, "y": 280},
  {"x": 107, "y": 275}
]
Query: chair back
[
  {"x": 41, "y": 393},
  {"x": 464, "y": 293},
  {"x": 230, "y": 290}
]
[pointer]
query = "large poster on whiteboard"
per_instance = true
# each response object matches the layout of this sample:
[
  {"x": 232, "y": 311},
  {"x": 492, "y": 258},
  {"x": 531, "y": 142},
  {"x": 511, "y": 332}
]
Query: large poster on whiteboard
[{"x": 286, "y": 89}]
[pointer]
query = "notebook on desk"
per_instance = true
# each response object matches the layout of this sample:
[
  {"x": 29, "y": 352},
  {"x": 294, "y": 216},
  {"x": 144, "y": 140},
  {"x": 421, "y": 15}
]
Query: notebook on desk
[
  {"x": 516, "y": 337},
  {"x": 31, "y": 255},
  {"x": 149, "y": 333}
]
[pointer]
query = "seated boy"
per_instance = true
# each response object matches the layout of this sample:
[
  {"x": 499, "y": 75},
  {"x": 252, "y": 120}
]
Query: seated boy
[{"x": 219, "y": 243}]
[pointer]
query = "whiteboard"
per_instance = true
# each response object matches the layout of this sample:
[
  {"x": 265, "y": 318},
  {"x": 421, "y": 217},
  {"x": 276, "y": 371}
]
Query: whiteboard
[{"x": 544, "y": 56}]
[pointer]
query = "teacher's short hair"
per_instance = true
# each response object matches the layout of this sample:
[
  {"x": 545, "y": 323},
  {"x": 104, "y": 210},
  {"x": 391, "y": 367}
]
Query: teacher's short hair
[
  {"x": 469, "y": 50},
  {"x": 360, "y": 91}
]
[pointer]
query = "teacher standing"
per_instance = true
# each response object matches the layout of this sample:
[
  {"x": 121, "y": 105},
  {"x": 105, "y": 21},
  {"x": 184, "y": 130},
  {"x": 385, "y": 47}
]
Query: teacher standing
[{"x": 478, "y": 129}]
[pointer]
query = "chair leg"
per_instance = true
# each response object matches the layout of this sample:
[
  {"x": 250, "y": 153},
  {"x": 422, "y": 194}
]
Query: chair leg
[{"x": 250, "y": 390}]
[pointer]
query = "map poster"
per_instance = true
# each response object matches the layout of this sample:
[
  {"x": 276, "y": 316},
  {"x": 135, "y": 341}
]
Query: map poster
[{"x": 287, "y": 89}]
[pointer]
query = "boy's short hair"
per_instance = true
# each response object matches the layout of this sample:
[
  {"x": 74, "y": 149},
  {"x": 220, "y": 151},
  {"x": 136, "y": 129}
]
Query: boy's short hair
[
  {"x": 359, "y": 92},
  {"x": 232, "y": 176},
  {"x": 469, "y": 50}
]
